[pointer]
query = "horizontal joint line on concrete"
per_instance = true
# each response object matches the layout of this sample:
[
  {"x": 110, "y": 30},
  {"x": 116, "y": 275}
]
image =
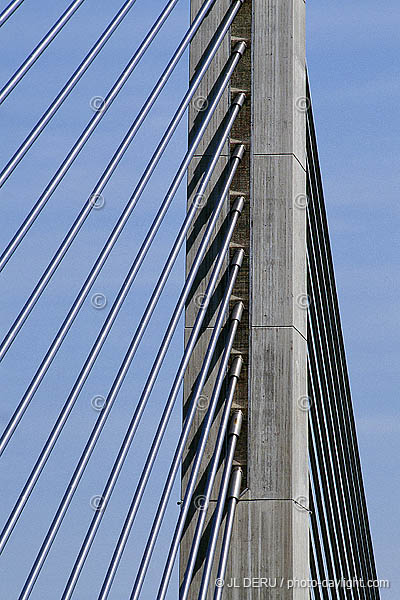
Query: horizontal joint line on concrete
[
  {"x": 282, "y": 154},
  {"x": 276, "y": 500},
  {"x": 241, "y": 499},
  {"x": 279, "y": 327}
]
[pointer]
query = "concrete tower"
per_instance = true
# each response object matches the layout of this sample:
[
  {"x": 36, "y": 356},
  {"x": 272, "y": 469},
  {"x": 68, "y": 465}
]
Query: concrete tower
[{"x": 271, "y": 531}]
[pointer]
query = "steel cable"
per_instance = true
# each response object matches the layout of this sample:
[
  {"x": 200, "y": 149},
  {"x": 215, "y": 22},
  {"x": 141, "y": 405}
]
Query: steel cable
[
  {"x": 235, "y": 426},
  {"x": 136, "y": 419},
  {"x": 234, "y": 374},
  {"x": 7, "y": 434},
  {"x": 95, "y": 350},
  {"x": 39, "y": 49},
  {"x": 63, "y": 507},
  {"x": 233, "y": 499},
  {"x": 68, "y": 87},
  {"x": 180, "y": 447},
  {"x": 77, "y": 147},
  {"x": 9, "y": 10},
  {"x": 218, "y": 514}
]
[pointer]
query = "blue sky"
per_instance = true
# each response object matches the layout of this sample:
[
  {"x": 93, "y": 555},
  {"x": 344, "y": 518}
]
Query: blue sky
[
  {"x": 352, "y": 57},
  {"x": 353, "y": 67}
]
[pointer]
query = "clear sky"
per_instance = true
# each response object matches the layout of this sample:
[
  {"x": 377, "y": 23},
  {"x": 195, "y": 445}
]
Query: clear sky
[
  {"x": 353, "y": 66},
  {"x": 352, "y": 57}
]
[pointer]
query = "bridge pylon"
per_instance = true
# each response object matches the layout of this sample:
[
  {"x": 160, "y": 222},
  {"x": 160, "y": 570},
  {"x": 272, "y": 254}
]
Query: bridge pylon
[{"x": 269, "y": 547}]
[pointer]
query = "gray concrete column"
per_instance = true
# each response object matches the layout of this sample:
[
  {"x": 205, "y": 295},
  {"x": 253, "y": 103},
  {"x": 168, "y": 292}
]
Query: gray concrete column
[{"x": 271, "y": 536}]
